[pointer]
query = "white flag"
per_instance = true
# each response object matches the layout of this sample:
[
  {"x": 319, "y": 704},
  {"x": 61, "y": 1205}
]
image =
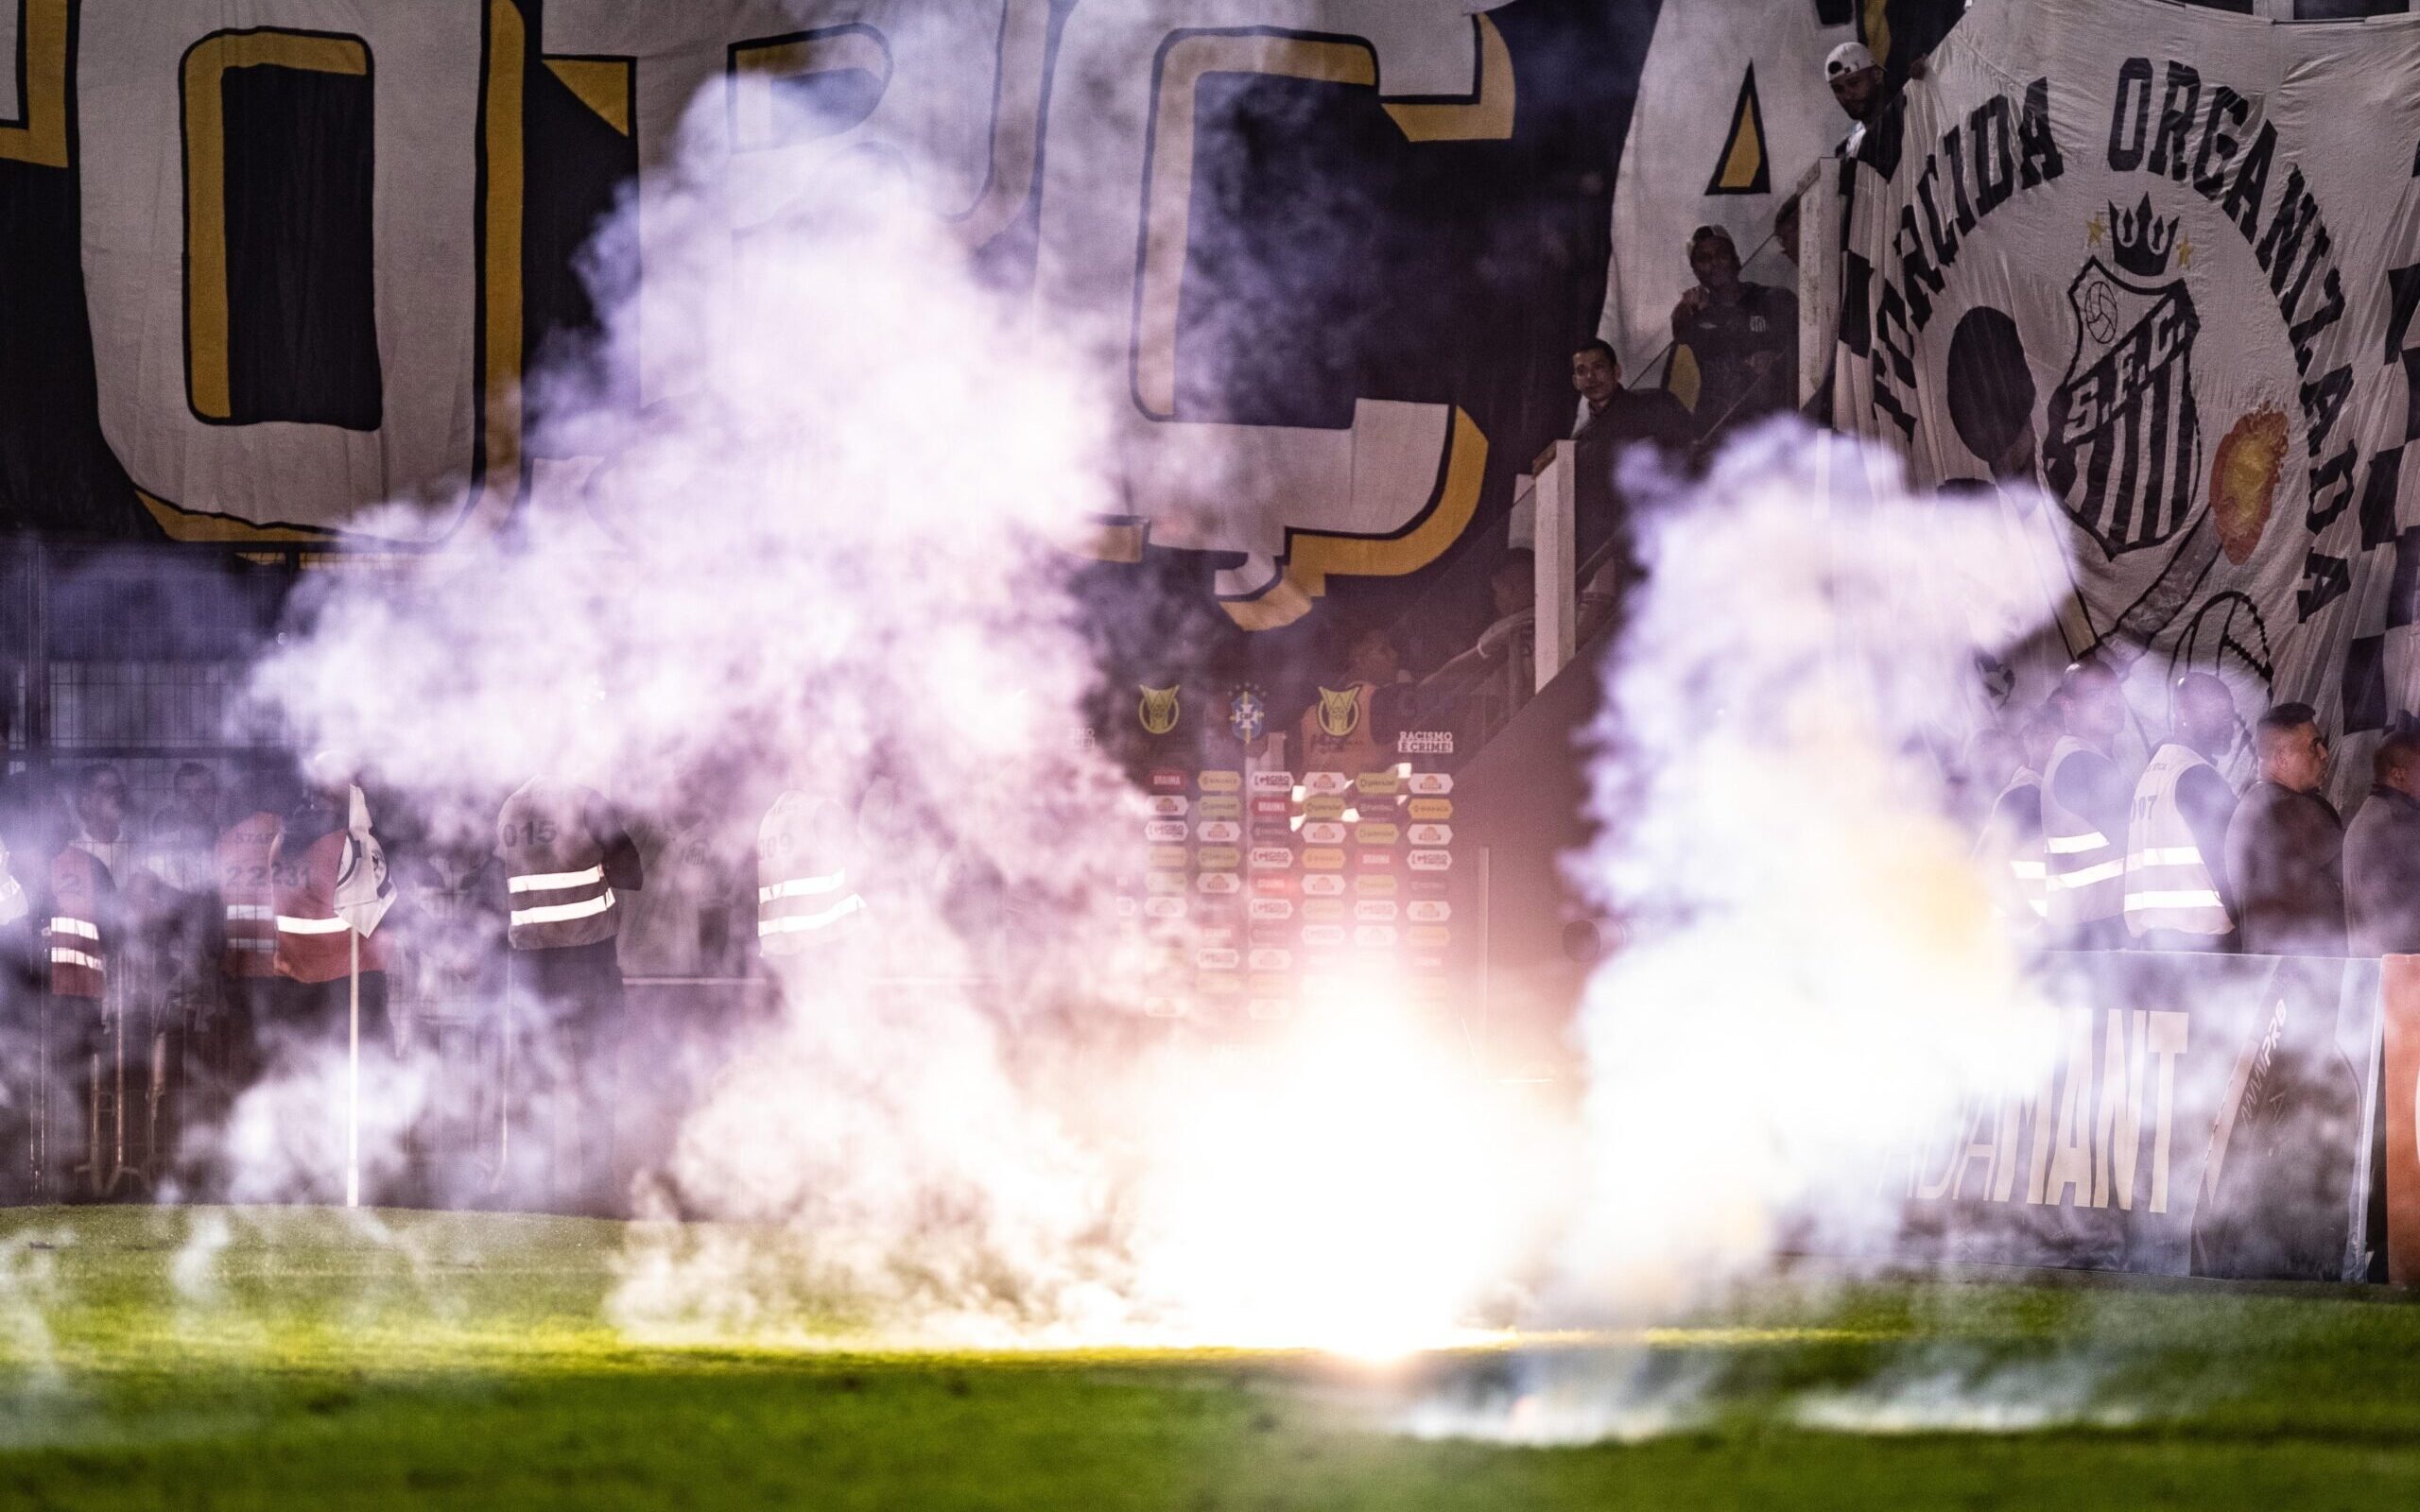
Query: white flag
[{"x": 364, "y": 892}]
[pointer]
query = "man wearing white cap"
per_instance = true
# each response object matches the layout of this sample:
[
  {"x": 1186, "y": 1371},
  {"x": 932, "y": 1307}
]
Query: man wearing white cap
[{"x": 1857, "y": 84}]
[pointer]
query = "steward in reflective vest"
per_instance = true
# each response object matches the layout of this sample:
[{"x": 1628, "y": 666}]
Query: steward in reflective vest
[
  {"x": 2177, "y": 893},
  {"x": 2084, "y": 812},
  {"x": 2171, "y": 875},
  {"x": 80, "y": 892},
  {"x": 312, "y": 947},
  {"x": 564, "y": 855},
  {"x": 553, "y": 840},
  {"x": 247, "y": 896},
  {"x": 806, "y": 897},
  {"x": 2086, "y": 868},
  {"x": 2009, "y": 850}
]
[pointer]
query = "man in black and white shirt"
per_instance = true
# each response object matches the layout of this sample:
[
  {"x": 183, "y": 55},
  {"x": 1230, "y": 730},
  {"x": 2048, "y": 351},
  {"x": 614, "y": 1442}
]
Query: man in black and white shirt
[{"x": 1741, "y": 338}]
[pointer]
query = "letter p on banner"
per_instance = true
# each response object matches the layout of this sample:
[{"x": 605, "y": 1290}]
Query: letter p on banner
[{"x": 2401, "y": 991}]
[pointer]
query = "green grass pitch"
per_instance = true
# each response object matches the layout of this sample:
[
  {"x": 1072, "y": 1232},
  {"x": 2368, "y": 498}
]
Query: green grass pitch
[{"x": 308, "y": 1363}]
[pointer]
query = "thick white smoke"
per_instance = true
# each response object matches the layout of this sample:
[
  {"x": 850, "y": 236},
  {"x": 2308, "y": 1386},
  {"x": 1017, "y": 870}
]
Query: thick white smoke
[
  {"x": 1814, "y": 976},
  {"x": 830, "y": 557}
]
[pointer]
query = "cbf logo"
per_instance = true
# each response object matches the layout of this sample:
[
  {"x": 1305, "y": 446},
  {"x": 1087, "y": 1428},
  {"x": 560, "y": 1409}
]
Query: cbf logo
[
  {"x": 1248, "y": 713},
  {"x": 2124, "y": 450}
]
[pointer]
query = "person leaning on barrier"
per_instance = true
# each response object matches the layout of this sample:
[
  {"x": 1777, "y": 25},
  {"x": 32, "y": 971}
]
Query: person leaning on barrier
[
  {"x": 1612, "y": 421},
  {"x": 2085, "y": 803},
  {"x": 1743, "y": 337},
  {"x": 2382, "y": 853},
  {"x": 2176, "y": 883},
  {"x": 1612, "y": 415},
  {"x": 2286, "y": 845}
]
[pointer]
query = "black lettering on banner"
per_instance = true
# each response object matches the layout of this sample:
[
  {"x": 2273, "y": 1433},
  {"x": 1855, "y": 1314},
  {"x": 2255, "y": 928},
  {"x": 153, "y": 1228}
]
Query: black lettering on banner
[
  {"x": 1994, "y": 161},
  {"x": 2322, "y": 401},
  {"x": 2320, "y": 245},
  {"x": 1889, "y": 311},
  {"x": 2331, "y": 492},
  {"x": 1944, "y": 236},
  {"x": 2296, "y": 214},
  {"x": 2250, "y": 187},
  {"x": 2176, "y": 120},
  {"x": 1856, "y": 320},
  {"x": 2305, "y": 333},
  {"x": 2218, "y": 147},
  {"x": 2037, "y": 150},
  {"x": 2325, "y": 579},
  {"x": 1916, "y": 272},
  {"x": 1953, "y": 147},
  {"x": 2126, "y": 136}
]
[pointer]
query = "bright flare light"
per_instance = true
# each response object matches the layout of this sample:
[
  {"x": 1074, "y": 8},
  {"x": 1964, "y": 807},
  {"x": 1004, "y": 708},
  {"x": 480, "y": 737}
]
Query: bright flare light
[{"x": 1356, "y": 1186}]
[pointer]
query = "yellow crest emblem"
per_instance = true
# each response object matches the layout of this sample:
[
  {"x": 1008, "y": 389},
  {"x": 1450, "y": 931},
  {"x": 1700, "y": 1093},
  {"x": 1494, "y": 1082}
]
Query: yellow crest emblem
[
  {"x": 1158, "y": 710},
  {"x": 1339, "y": 712}
]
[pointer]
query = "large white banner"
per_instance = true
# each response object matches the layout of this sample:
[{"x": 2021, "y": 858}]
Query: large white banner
[
  {"x": 1733, "y": 110},
  {"x": 2164, "y": 261}
]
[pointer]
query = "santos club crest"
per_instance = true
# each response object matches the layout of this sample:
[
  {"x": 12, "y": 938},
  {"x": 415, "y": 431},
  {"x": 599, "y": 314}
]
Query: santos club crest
[{"x": 2124, "y": 449}]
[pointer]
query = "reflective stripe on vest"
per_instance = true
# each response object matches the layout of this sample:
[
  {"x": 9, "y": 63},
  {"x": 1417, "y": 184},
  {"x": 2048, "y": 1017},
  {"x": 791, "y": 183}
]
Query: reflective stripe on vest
[
  {"x": 2168, "y": 882},
  {"x": 78, "y": 968},
  {"x": 792, "y": 914},
  {"x": 804, "y": 889},
  {"x": 2086, "y": 872},
  {"x": 554, "y": 863},
  {"x": 245, "y": 889},
  {"x": 2024, "y": 899},
  {"x": 591, "y": 896},
  {"x": 801, "y": 923},
  {"x": 315, "y": 944}
]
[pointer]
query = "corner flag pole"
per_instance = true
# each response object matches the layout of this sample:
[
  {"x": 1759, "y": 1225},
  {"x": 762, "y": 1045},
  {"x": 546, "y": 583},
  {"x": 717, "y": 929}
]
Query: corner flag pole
[{"x": 352, "y": 1071}]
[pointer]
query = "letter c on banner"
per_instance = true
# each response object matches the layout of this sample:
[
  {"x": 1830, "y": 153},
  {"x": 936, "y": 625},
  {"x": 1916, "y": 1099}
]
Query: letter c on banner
[{"x": 1385, "y": 496}]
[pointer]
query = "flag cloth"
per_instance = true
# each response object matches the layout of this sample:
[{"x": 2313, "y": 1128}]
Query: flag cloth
[
  {"x": 364, "y": 891},
  {"x": 2163, "y": 262}
]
